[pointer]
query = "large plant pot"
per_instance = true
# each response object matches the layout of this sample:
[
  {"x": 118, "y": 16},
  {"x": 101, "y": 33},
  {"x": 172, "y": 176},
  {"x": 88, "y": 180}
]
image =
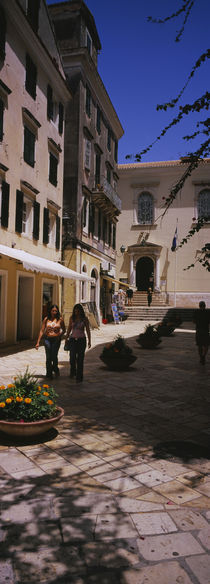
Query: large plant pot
[
  {"x": 165, "y": 330},
  {"x": 22, "y": 429},
  {"x": 147, "y": 342},
  {"x": 118, "y": 362}
]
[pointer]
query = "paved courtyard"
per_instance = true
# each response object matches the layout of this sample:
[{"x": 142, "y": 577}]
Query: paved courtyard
[{"x": 120, "y": 492}]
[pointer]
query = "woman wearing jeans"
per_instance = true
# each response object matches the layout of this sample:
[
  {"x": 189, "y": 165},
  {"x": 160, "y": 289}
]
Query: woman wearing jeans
[
  {"x": 53, "y": 328},
  {"x": 78, "y": 323}
]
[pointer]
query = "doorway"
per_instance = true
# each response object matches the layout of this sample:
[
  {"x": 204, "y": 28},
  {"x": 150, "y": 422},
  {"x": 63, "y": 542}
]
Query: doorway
[
  {"x": 144, "y": 274},
  {"x": 25, "y": 308}
]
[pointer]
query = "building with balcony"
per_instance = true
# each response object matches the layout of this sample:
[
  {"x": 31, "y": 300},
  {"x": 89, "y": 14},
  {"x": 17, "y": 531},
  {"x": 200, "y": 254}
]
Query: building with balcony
[
  {"x": 91, "y": 200},
  {"x": 33, "y": 94}
]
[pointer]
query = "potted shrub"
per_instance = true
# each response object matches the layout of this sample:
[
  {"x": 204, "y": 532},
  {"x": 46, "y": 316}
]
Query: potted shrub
[
  {"x": 150, "y": 338},
  {"x": 167, "y": 326},
  {"x": 27, "y": 407},
  {"x": 117, "y": 356}
]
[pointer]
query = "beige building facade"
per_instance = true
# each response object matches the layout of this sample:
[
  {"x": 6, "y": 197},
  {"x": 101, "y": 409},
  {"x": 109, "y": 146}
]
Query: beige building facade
[
  {"x": 147, "y": 234},
  {"x": 91, "y": 200},
  {"x": 33, "y": 93}
]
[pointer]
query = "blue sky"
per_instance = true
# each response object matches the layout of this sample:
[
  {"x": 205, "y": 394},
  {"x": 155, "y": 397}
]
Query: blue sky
[{"x": 141, "y": 66}]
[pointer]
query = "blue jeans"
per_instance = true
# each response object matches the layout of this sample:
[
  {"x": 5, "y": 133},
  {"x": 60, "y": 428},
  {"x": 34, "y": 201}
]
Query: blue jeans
[
  {"x": 52, "y": 346},
  {"x": 77, "y": 353}
]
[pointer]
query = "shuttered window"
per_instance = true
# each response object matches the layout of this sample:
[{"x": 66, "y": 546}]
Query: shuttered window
[
  {"x": 29, "y": 146},
  {"x": 58, "y": 230},
  {"x": 1, "y": 119},
  {"x": 19, "y": 211},
  {"x": 33, "y": 13},
  {"x": 31, "y": 77},
  {"x": 2, "y": 33},
  {"x": 61, "y": 118},
  {"x": 49, "y": 102},
  {"x": 46, "y": 226},
  {"x": 53, "y": 169},
  {"x": 99, "y": 224},
  {"x": 36, "y": 220},
  {"x": 91, "y": 218},
  {"x": 5, "y": 187},
  {"x": 114, "y": 237},
  {"x": 88, "y": 102},
  {"x": 98, "y": 120}
]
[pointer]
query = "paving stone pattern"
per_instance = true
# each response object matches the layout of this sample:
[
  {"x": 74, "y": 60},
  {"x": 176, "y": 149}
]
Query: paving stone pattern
[{"x": 119, "y": 493}]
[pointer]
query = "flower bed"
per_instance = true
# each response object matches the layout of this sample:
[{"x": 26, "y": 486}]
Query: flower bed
[{"x": 25, "y": 400}]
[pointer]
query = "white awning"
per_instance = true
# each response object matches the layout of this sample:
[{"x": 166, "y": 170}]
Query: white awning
[{"x": 38, "y": 264}]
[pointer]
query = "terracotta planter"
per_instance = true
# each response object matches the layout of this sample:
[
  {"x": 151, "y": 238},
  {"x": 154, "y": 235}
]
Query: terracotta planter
[
  {"x": 147, "y": 342},
  {"x": 22, "y": 429},
  {"x": 118, "y": 363}
]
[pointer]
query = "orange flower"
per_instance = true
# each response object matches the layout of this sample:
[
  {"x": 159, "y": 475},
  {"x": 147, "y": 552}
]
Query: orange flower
[
  {"x": 2, "y": 386},
  {"x": 10, "y": 385},
  {"x": 46, "y": 386},
  {"x": 39, "y": 388},
  {"x": 19, "y": 399},
  {"x": 27, "y": 400},
  {"x": 45, "y": 393},
  {"x": 116, "y": 351},
  {"x": 37, "y": 392},
  {"x": 8, "y": 400},
  {"x": 50, "y": 402},
  {"x": 2, "y": 405}
]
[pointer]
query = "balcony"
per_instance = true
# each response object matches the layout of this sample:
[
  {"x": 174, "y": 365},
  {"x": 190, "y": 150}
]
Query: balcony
[{"x": 106, "y": 197}]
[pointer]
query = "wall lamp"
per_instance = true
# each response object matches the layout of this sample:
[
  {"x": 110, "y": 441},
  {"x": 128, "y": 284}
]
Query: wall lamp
[{"x": 122, "y": 249}]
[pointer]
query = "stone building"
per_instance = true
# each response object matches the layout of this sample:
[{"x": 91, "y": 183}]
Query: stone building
[
  {"x": 148, "y": 259},
  {"x": 33, "y": 93},
  {"x": 91, "y": 201}
]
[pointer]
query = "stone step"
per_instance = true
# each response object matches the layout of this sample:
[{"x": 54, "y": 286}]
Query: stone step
[{"x": 158, "y": 313}]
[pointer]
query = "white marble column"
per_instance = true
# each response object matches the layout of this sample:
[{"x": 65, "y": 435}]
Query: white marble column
[{"x": 132, "y": 272}]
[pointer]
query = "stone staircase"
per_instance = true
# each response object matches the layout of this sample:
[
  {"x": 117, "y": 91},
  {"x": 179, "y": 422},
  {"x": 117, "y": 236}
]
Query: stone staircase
[{"x": 140, "y": 310}]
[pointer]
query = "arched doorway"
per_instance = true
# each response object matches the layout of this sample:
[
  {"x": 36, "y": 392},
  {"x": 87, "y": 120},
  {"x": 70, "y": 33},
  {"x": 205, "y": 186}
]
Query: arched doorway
[{"x": 144, "y": 273}]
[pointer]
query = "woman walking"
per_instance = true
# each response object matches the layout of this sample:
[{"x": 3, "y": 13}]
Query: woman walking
[
  {"x": 149, "y": 296},
  {"x": 78, "y": 325},
  {"x": 202, "y": 319},
  {"x": 52, "y": 329}
]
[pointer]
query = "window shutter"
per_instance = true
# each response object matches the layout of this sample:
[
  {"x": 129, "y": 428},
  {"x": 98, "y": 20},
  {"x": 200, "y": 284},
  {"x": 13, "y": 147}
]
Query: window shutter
[
  {"x": 5, "y": 204},
  {"x": 84, "y": 212},
  {"x": 61, "y": 117},
  {"x": 31, "y": 77},
  {"x": 49, "y": 102},
  {"x": 114, "y": 237},
  {"x": 91, "y": 218},
  {"x": 99, "y": 224},
  {"x": 1, "y": 119},
  {"x": 46, "y": 226},
  {"x": 36, "y": 207},
  {"x": 53, "y": 170},
  {"x": 19, "y": 211},
  {"x": 110, "y": 233},
  {"x": 58, "y": 232},
  {"x": 33, "y": 13},
  {"x": 3, "y": 29}
]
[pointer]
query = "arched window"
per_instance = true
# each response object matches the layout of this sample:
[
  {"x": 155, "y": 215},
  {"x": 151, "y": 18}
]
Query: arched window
[
  {"x": 204, "y": 203},
  {"x": 145, "y": 208},
  {"x": 84, "y": 284}
]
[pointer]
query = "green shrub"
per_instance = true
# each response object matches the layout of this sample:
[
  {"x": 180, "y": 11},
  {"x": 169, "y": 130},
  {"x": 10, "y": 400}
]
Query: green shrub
[{"x": 25, "y": 400}]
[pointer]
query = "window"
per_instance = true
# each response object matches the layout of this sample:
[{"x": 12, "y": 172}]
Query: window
[
  {"x": 97, "y": 168},
  {"x": 2, "y": 33},
  {"x": 53, "y": 169},
  {"x": 36, "y": 219},
  {"x": 109, "y": 139},
  {"x": 204, "y": 203},
  {"x": 98, "y": 119},
  {"x": 4, "y": 203},
  {"x": 116, "y": 150},
  {"x": 105, "y": 230},
  {"x": 84, "y": 213},
  {"x": 60, "y": 118},
  {"x": 99, "y": 224},
  {"x": 31, "y": 77},
  {"x": 33, "y": 13},
  {"x": 29, "y": 146},
  {"x": 49, "y": 102},
  {"x": 110, "y": 233},
  {"x": 108, "y": 174},
  {"x": 27, "y": 216},
  {"x": 88, "y": 102},
  {"x": 1, "y": 119},
  {"x": 88, "y": 42},
  {"x": 145, "y": 208},
  {"x": 58, "y": 232},
  {"x": 87, "y": 154},
  {"x": 52, "y": 229},
  {"x": 114, "y": 237},
  {"x": 46, "y": 226},
  {"x": 91, "y": 218}
]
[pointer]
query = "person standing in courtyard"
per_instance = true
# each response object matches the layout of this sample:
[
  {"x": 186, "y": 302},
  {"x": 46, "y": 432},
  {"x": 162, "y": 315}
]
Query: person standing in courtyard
[
  {"x": 129, "y": 294},
  {"x": 52, "y": 329},
  {"x": 76, "y": 335},
  {"x": 149, "y": 296},
  {"x": 202, "y": 320}
]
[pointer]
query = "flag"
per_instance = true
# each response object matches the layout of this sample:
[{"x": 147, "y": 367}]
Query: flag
[{"x": 174, "y": 242}]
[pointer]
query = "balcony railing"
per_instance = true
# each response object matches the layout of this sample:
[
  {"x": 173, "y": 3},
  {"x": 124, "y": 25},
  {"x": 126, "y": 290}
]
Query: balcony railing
[{"x": 104, "y": 188}]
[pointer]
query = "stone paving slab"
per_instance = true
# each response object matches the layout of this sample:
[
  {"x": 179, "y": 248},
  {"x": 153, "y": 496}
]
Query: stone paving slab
[{"x": 109, "y": 479}]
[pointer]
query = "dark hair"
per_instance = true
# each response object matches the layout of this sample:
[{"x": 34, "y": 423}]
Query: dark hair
[
  {"x": 58, "y": 312},
  {"x": 81, "y": 310},
  {"x": 202, "y": 304}
]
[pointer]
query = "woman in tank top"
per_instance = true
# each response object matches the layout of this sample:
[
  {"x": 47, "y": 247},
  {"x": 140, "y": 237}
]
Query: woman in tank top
[
  {"x": 78, "y": 326},
  {"x": 52, "y": 329}
]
